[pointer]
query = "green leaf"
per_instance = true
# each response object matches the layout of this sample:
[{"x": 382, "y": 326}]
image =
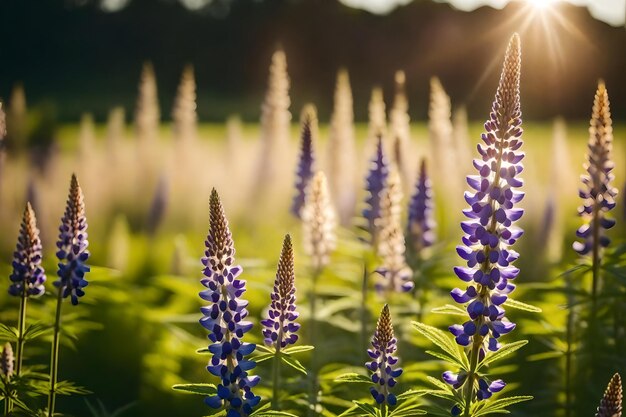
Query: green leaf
[
  {"x": 263, "y": 357},
  {"x": 273, "y": 413},
  {"x": 265, "y": 349},
  {"x": 199, "y": 389},
  {"x": 504, "y": 351},
  {"x": 450, "y": 309},
  {"x": 8, "y": 333},
  {"x": 297, "y": 349},
  {"x": 446, "y": 357},
  {"x": 367, "y": 408},
  {"x": 69, "y": 388},
  {"x": 353, "y": 377},
  {"x": 294, "y": 363},
  {"x": 409, "y": 411},
  {"x": 203, "y": 351},
  {"x": 35, "y": 330},
  {"x": 442, "y": 340},
  {"x": 499, "y": 406},
  {"x": 521, "y": 306}
]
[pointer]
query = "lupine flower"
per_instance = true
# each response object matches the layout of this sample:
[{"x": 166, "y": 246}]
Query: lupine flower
[
  {"x": 597, "y": 192},
  {"x": 374, "y": 185},
  {"x": 28, "y": 275},
  {"x": 341, "y": 150},
  {"x": 225, "y": 319},
  {"x": 383, "y": 364},
  {"x": 400, "y": 128},
  {"x": 489, "y": 232},
  {"x": 72, "y": 246},
  {"x": 275, "y": 120},
  {"x": 441, "y": 134},
  {"x": 377, "y": 118},
  {"x": 304, "y": 172},
  {"x": 7, "y": 361},
  {"x": 611, "y": 403},
  {"x": 396, "y": 275},
  {"x": 158, "y": 206},
  {"x": 184, "y": 113},
  {"x": 318, "y": 221},
  {"x": 3, "y": 124},
  {"x": 280, "y": 325},
  {"x": 147, "y": 112},
  {"x": 421, "y": 223}
]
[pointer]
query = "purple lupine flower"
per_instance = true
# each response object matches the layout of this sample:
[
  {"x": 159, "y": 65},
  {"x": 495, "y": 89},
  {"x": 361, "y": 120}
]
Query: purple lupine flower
[
  {"x": 421, "y": 221},
  {"x": 72, "y": 246},
  {"x": 28, "y": 275},
  {"x": 280, "y": 325},
  {"x": 611, "y": 403},
  {"x": 490, "y": 232},
  {"x": 225, "y": 319},
  {"x": 597, "y": 193},
  {"x": 305, "y": 172},
  {"x": 383, "y": 364},
  {"x": 374, "y": 184}
]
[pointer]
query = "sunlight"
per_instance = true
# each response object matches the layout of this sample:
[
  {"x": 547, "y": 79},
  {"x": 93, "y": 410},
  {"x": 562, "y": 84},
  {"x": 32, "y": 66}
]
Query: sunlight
[{"x": 542, "y": 4}]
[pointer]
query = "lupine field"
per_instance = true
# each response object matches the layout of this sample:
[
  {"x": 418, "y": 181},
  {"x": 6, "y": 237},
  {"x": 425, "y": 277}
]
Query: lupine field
[{"x": 303, "y": 266}]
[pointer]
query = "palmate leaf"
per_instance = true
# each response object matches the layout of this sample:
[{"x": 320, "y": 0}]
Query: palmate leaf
[
  {"x": 443, "y": 341},
  {"x": 8, "y": 333},
  {"x": 35, "y": 330},
  {"x": 264, "y": 411},
  {"x": 450, "y": 309},
  {"x": 521, "y": 306},
  {"x": 447, "y": 358},
  {"x": 354, "y": 378},
  {"x": 298, "y": 349},
  {"x": 499, "y": 406},
  {"x": 410, "y": 410},
  {"x": 198, "y": 389},
  {"x": 293, "y": 362},
  {"x": 69, "y": 388},
  {"x": 504, "y": 351},
  {"x": 367, "y": 408}
]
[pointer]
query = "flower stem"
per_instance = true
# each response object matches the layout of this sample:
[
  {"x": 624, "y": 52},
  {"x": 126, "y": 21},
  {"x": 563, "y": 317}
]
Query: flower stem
[
  {"x": 312, "y": 332},
  {"x": 21, "y": 329},
  {"x": 54, "y": 357},
  {"x": 569, "y": 333},
  {"x": 471, "y": 375},
  {"x": 364, "y": 311},
  {"x": 276, "y": 379},
  {"x": 595, "y": 266}
]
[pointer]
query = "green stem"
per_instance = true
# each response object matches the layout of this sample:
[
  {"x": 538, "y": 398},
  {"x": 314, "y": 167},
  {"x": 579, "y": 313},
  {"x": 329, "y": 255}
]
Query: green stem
[
  {"x": 364, "y": 311},
  {"x": 19, "y": 355},
  {"x": 312, "y": 332},
  {"x": 471, "y": 375},
  {"x": 569, "y": 331},
  {"x": 383, "y": 409},
  {"x": 276, "y": 379},
  {"x": 595, "y": 263},
  {"x": 54, "y": 357}
]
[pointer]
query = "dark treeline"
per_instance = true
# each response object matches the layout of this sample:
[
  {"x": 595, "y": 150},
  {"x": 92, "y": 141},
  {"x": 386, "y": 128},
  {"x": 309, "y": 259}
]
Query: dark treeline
[{"x": 82, "y": 59}]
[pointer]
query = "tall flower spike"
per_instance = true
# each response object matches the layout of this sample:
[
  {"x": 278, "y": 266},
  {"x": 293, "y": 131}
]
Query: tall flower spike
[
  {"x": 421, "y": 223},
  {"x": 377, "y": 119},
  {"x": 304, "y": 172},
  {"x": 28, "y": 275},
  {"x": 611, "y": 403},
  {"x": 597, "y": 193},
  {"x": 184, "y": 113},
  {"x": 318, "y": 221},
  {"x": 489, "y": 232},
  {"x": 280, "y": 325},
  {"x": 72, "y": 246},
  {"x": 374, "y": 185},
  {"x": 225, "y": 319},
  {"x": 147, "y": 113},
  {"x": 400, "y": 127},
  {"x": 396, "y": 275},
  {"x": 7, "y": 361},
  {"x": 383, "y": 364},
  {"x": 341, "y": 150}
]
